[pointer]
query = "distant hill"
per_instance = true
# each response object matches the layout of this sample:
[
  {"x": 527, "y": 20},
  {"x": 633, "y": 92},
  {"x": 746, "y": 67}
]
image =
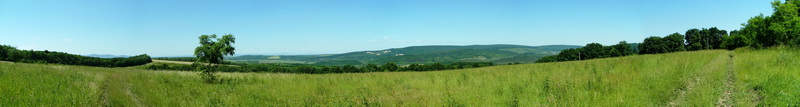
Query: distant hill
[
  {"x": 499, "y": 54},
  {"x": 107, "y": 56}
]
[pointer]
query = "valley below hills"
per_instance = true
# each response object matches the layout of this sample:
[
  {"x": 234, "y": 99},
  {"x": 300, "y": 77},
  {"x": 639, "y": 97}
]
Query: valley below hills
[{"x": 498, "y": 54}]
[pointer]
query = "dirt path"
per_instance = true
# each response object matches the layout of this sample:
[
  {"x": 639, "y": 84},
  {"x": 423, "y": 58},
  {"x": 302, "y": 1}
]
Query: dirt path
[
  {"x": 694, "y": 79},
  {"x": 682, "y": 94},
  {"x": 726, "y": 99},
  {"x": 116, "y": 90},
  {"x": 104, "y": 94},
  {"x": 133, "y": 96}
]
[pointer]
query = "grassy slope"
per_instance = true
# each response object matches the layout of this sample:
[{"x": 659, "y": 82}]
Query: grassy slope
[
  {"x": 683, "y": 79},
  {"x": 768, "y": 77}
]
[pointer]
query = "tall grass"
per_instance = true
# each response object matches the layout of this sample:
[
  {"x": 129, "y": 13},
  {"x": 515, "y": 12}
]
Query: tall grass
[
  {"x": 48, "y": 85},
  {"x": 769, "y": 77},
  {"x": 682, "y": 79}
]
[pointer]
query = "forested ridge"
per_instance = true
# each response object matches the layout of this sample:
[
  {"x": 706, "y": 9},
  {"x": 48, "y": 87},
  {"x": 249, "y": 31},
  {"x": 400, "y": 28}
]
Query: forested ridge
[{"x": 498, "y": 53}]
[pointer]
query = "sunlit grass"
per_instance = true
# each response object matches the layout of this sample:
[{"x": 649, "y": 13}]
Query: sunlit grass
[
  {"x": 683, "y": 79},
  {"x": 768, "y": 77},
  {"x": 49, "y": 85}
]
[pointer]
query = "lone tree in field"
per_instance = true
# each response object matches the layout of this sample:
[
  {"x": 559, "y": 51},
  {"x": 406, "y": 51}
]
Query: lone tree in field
[{"x": 212, "y": 51}]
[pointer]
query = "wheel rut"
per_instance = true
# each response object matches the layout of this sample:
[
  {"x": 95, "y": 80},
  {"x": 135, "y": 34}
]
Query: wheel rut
[
  {"x": 682, "y": 94},
  {"x": 726, "y": 99},
  {"x": 115, "y": 86},
  {"x": 720, "y": 62},
  {"x": 104, "y": 95}
]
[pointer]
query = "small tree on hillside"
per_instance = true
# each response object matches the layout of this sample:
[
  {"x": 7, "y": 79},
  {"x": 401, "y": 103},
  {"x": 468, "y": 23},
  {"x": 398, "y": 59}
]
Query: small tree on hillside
[
  {"x": 674, "y": 42},
  {"x": 212, "y": 51},
  {"x": 4, "y": 51},
  {"x": 653, "y": 45},
  {"x": 350, "y": 69},
  {"x": 622, "y": 48},
  {"x": 390, "y": 67},
  {"x": 593, "y": 50},
  {"x": 370, "y": 68}
]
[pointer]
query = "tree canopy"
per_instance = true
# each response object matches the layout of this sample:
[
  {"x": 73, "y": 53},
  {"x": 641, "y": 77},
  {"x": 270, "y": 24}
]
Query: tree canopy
[
  {"x": 590, "y": 51},
  {"x": 781, "y": 28},
  {"x": 212, "y": 50}
]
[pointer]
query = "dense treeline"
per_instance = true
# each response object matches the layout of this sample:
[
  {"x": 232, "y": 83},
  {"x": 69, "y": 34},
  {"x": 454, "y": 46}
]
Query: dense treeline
[
  {"x": 700, "y": 39},
  {"x": 696, "y": 39},
  {"x": 338, "y": 62},
  {"x": 186, "y": 59},
  {"x": 654, "y": 44},
  {"x": 9, "y": 53},
  {"x": 317, "y": 69},
  {"x": 591, "y": 51},
  {"x": 782, "y": 28}
]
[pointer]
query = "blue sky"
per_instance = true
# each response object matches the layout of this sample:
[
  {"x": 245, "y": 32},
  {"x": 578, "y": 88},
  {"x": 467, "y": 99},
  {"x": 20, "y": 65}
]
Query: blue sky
[{"x": 171, "y": 27}]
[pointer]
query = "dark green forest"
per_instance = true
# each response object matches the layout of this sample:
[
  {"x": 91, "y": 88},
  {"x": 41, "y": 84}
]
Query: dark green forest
[
  {"x": 186, "y": 59},
  {"x": 782, "y": 28},
  {"x": 591, "y": 51},
  {"x": 9, "y": 53}
]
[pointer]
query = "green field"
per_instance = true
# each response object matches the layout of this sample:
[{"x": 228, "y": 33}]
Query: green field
[{"x": 697, "y": 78}]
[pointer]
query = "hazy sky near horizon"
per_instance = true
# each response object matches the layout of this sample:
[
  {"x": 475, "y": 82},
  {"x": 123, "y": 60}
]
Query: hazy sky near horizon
[{"x": 171, "y": 27}]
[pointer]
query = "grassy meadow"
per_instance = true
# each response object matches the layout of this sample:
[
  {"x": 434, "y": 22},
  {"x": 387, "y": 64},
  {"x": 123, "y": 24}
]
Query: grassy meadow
[
  {"x": 767, "y": 77},
  {"x": 697, "y": 78}
]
